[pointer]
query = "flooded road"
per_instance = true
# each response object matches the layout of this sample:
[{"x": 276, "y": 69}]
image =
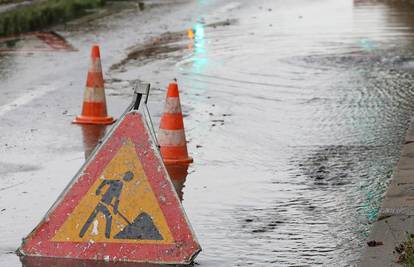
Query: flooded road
[{"x": 294, "y": 112}]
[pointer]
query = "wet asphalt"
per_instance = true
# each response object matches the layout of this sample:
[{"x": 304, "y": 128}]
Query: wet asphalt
[{"x": 294, "y": 112}]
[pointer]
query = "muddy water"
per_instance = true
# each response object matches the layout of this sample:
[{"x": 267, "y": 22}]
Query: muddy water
[{"x": 295, "y": 114}]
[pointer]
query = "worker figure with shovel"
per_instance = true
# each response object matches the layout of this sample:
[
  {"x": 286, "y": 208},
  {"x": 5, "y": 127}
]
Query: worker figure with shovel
[{"x": 109, "y": 202}]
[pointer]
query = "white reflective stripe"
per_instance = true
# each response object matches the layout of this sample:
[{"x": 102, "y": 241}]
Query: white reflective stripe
[
  {"x": 94, "y": 95},
  {"x": 171, "y": 137},
  {"x": 172, "y": 105},
  {"x": 95, "y": 65}
]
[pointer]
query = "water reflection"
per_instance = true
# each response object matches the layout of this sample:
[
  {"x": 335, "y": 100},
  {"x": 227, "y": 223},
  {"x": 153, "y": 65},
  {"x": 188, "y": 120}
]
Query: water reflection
[
  {"x": 178, "y": 175},
  {"x": 179, "y": 188},
  {"x": 324, "y": 104},
  {"x": 198, "y": 46},
  {"x": 91, "y": 135}
]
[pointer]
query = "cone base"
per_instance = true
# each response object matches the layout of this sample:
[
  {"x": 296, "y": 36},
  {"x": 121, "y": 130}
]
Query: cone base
[
  {"x": 185, "y": 161},
  {"x": 93, "y": 120}
]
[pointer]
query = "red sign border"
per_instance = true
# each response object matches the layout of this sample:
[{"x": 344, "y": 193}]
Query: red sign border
[{"x": 186, "y": 247}]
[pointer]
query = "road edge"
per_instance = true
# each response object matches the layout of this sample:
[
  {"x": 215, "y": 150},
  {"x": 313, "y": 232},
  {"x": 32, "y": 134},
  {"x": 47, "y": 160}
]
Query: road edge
[
  {"x": 43, "y": 13},
  {"x": 396, "y": 216}
]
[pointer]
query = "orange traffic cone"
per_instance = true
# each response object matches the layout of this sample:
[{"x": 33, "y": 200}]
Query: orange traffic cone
[
  {"x": 171, "y": 136},
  {"x": 94, "y": 102}
]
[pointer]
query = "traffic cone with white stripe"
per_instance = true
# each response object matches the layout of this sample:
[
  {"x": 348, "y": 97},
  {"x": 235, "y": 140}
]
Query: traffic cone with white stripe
[
  {"x": 171, "y": 136},
  {"x": 94, "y": 102}
]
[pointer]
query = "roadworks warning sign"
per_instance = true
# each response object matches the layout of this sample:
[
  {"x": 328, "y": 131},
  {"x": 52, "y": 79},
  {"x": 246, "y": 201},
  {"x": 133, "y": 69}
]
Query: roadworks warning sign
[{"x": 120, "y": 207}]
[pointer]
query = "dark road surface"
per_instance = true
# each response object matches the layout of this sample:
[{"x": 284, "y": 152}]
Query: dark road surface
[{"x": 294, "y": 112}]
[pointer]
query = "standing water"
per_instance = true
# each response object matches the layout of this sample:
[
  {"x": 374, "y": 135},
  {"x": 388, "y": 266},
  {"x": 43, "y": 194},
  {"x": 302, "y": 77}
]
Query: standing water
[{"x": 296, "y": 112}]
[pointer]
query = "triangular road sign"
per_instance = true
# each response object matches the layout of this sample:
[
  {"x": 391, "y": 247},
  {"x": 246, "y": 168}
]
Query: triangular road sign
[{"x": 121, "y": 206}]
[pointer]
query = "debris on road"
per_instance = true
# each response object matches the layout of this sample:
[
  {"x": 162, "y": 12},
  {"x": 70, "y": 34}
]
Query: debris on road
[
  {"x": 374, "y": 243},
  {"x": 406, "y": 251}
]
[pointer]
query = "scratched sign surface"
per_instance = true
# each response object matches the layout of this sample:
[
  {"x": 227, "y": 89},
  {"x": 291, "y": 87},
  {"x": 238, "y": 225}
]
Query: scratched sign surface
[{"x": 120, "y": 207}]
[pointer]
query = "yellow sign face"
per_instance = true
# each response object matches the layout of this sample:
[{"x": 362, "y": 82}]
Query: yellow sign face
[{"x": 120, "y": 207}]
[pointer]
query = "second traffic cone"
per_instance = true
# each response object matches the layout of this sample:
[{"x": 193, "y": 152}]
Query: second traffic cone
[
  {"x": 171, "y": 135},
  {"x": 94, "y": 102}
]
